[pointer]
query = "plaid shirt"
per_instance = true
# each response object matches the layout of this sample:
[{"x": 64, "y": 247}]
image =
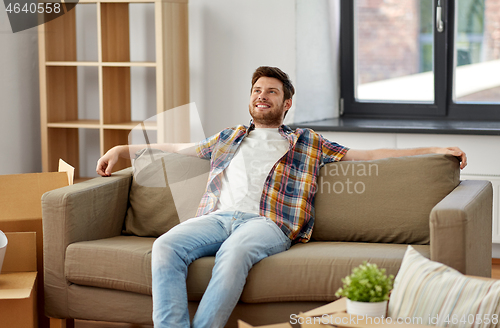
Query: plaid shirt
[{"x": 289, "y": 189}]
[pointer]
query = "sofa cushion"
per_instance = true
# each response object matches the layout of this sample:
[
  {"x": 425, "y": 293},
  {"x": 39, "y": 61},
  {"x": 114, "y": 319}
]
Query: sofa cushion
[
  {"x": 124, "y": 263},
  {"x": 166, "y": 189},
  {"x": 382, "y": 201},
  {"x": 442, "y": 296},
  {"x": 319, "y": 267}
]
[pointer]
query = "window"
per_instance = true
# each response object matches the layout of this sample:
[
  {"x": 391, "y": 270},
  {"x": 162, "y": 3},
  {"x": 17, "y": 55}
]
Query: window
[{"x": 397, "y": 63}]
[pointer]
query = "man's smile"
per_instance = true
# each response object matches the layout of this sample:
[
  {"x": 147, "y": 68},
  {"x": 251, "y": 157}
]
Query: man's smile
[{"x": 262, "y": 105}]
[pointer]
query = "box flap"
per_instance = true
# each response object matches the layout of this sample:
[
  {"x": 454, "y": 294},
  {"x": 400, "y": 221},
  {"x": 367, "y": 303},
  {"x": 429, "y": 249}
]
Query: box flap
[
  {"x": 20, "y": 194},
  {"x": 70, "y": 170},
  {"x": 16, "y": 285},
  {"x": 242, "y": 324},
  {"x": 339, "y": 305},
  {"x": 20, "y": 255}
]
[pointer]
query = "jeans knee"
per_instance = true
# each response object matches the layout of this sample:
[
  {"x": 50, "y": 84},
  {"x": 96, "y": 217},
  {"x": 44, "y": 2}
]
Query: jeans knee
[
  {"x": 163, "y": 251},
  {"x": 238, "y": 255},
  {"x": 159, "y": 245}
]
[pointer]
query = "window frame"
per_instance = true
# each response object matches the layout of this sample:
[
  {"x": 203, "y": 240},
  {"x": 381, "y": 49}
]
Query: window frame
[{"x": 443, "y": 107}]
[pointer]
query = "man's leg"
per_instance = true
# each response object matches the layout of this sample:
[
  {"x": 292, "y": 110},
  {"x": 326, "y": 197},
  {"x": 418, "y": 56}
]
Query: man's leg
[
  {"x": 172, "y": 253},
  {"x": 252, "y": 239}
]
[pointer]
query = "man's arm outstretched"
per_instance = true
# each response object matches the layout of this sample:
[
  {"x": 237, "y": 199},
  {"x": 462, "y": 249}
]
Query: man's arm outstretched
[
  {"x": 366, "y": 155},
  {"x": 107, "y": 161}
]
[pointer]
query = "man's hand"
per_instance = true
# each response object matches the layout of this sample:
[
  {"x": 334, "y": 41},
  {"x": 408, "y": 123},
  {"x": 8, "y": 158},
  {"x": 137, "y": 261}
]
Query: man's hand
[
  {"x": 107, "y": 161},
  {"x": 455, "y": 151}
]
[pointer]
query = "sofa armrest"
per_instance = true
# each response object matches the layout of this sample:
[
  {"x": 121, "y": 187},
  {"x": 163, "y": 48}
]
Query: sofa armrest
[
  {"x": 90, "y": 210},
  {"x": 460, "y": 228}
]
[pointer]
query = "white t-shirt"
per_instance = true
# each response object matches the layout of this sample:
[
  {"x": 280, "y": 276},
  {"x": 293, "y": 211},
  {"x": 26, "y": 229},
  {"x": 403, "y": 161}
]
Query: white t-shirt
[{"x": 243, "y": 180}]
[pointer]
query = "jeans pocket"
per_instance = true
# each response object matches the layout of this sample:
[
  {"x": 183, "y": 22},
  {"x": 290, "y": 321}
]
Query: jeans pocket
[{"x": 284, "y": 238}]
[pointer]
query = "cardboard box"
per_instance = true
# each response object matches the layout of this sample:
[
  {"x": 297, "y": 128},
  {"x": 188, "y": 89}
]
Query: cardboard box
[
  {"x": 318, "y": 317},
  {"x": 334, "y": 315},
  {"x": 21, "y": 211},
  {"x": 18, "y": 305},
  {"x": 242, "y": 324}
]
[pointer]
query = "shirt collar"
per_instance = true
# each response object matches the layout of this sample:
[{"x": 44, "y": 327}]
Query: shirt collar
[{"x": 283, "y": 128}]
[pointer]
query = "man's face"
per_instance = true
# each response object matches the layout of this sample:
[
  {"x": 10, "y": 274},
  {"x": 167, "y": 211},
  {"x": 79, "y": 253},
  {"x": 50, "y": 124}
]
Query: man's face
[{"x": 267, "y": 106}]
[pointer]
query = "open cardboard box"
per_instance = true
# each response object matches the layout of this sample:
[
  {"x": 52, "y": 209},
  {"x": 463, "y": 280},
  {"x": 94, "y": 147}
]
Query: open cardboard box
[
  {"x": 242, "y": 324},
  {"x": 334, "y": 315},
  {"x": 18, "y": 305},
  {"x": 21, "y": 211}
]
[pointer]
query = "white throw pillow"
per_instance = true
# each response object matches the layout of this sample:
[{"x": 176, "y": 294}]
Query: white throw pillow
[{"x": 432, "y": 293}]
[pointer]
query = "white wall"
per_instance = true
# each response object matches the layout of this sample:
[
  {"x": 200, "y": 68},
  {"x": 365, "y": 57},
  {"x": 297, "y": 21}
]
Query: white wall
[
  {"x": 318, "y": 66},
  {"x": 19, "y": 107},
  {"x": 228, "y": 41}
]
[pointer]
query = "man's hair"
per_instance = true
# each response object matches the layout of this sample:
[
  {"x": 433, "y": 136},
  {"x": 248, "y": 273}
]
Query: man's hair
[{"x": 275, "y": 72}]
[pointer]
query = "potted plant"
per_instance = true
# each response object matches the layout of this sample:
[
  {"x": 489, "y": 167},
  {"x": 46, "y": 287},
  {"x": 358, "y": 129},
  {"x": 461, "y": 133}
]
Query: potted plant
[{"x": 367, "y": 290}]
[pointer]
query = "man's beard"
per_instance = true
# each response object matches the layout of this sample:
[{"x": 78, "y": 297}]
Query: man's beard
[{"x": 269, "y": 118}]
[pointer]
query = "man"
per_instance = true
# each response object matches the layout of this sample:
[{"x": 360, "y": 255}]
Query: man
[{"x": 257, "y": 202}]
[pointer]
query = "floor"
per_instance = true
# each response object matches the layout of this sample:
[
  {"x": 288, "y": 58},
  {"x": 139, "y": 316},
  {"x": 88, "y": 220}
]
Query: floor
[{"x": 495, "y": 273}]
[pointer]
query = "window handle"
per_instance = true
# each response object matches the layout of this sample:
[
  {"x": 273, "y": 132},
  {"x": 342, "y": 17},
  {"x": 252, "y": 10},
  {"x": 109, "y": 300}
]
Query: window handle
[{"x": 439, "y": 17}]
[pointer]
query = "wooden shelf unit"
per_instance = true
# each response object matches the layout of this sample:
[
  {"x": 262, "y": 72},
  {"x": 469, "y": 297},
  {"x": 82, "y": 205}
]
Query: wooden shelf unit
[{"x": 59, "y": 69}]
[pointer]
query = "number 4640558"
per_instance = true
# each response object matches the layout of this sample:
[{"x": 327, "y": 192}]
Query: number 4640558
[{"x": 34, "y": 8}]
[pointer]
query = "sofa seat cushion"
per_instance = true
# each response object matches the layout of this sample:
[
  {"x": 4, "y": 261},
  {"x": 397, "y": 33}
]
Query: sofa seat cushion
[
  {"x": 313, "y": 271},
  {"x": 306, "y": 272},
  {"x": 122, "y": 263}
]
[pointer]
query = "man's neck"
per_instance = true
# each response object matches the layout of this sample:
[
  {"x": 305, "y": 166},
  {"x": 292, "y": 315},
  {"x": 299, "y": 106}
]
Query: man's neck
[{"x": 265, "y": 126}]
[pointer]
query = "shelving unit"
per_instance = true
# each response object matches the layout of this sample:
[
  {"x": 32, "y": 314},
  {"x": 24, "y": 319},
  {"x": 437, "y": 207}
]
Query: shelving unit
[{"x": 61, "y": 79}]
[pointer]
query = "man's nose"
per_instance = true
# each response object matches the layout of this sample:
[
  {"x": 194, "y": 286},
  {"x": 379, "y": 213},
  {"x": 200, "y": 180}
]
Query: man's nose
[{"x": 262, "y": 96}]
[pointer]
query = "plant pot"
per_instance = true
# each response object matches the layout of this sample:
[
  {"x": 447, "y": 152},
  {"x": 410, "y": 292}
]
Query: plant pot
[{"x": 369, "y": 309}]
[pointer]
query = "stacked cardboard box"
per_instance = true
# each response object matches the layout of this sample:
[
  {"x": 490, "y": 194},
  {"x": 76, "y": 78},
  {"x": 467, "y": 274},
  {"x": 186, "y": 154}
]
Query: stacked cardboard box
[
  {"x": 18, "y": 306},
  {"x": 21, "y": 211}
]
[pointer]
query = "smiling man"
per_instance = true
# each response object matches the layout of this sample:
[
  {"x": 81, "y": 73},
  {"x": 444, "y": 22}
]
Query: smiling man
[
  {"x": 269, "y": 101},
  {"x": 257, "y": 201}
]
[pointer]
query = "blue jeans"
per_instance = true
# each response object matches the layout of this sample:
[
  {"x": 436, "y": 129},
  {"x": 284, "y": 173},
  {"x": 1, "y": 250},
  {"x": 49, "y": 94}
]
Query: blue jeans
[{"x": 238, "y": 241}]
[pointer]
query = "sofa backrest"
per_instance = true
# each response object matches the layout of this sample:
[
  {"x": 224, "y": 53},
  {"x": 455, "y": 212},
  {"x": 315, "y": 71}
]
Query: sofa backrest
[{"x": 384, "y": 201}]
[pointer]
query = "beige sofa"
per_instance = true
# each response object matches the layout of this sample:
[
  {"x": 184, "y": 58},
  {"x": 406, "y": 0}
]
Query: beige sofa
[{"x": 364, "y": 211}]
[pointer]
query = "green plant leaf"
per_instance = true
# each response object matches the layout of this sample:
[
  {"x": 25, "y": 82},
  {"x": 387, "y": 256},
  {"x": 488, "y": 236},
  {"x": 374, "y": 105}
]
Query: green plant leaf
[{"x": 367, "y": 283}]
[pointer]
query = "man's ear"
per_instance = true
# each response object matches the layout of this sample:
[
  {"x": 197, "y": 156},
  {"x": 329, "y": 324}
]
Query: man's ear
[{"x": 288, "y": 103}]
